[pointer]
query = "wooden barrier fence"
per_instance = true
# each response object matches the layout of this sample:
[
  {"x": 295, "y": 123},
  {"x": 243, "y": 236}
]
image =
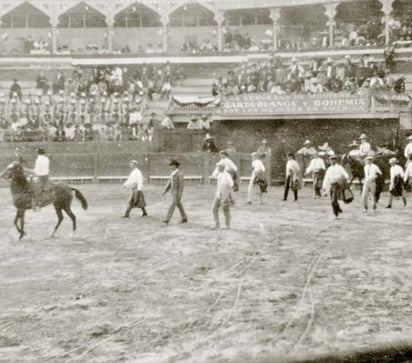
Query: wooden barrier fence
[{"x": 112, "y": 164}]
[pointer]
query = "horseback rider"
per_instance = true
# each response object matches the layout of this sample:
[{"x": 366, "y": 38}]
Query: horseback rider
[
  {"x": 364, "y": 147},
  {"x": 41, "y": 170}
]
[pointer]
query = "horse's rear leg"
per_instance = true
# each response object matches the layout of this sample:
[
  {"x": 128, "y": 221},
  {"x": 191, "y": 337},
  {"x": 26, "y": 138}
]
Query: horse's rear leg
[
  {"x": 60, "y": 218},
  {"x": 72, "y": 216}
]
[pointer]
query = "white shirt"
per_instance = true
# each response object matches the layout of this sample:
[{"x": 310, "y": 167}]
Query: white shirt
[
  {"x": 315, "y": 165},
  {"x": 354, "y": 152},
  {"x": 395, "y": 171},
  {"x": 408, "y": 172},
  {"x": 258, "y": 166},
  {"x": 135, "y": 180},
  {"x": 292, "y": 169},
  {"x": 41, "y": 166},
  {"x": 371, "y": 170},
  {"x": 224, "y": 185},
  {"x": 229, "y": 167},
  {"x": 333, "y": 174},
  {"x": 408, "y": 150},
  {"x": 364, "y": 148}
]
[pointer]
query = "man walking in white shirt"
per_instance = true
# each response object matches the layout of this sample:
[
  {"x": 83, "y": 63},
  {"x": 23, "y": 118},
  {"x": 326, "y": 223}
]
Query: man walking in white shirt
[
  {"x": 135, "y": 183},
  {"x": 230, "y": 167},
  {"x": 222, "y": 196},
  {"x": 333, "y": 182},
  {"x": 292, "y": 177},
  {"x": 396, "y": 188},
  {"x": 369, "y": 186},
  {"x": 258, "y": 174},
  {"x": 41, "y": 170},
  {"x": 317, "y": 168}
]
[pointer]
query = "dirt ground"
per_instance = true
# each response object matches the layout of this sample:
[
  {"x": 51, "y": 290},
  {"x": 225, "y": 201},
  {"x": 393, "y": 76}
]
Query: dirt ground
[{"x": 288, "y": 282}]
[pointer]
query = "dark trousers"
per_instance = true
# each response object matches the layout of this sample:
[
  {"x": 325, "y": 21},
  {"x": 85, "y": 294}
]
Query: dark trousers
[
  {"x": 335, "y": 192},
  {"x": 136, "y": 200},
  {"x": 176, "y": 203},
  {"x": 289, "y": 184},
  {"x": 40, "y": 188},
  {"x": 317, "y": 183}
]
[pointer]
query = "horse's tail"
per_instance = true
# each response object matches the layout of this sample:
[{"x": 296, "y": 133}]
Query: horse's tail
[{"x": 81, "y": 198}]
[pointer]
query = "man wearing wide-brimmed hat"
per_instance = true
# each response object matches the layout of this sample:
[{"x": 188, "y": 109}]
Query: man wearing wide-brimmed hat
[
  {"x": 369, "y": 186},
  {"x": 264, "y": 149},
  {"x": 176, "y": 186},
  {"x": 364, "y": 147},
  {"x": 396, "y": 188},
  {"x": 209, "y": 144},
  {"x": 307, "y": 149},
  {"x": 135, "y": 183},
  {"x": 333, "y": 183}
]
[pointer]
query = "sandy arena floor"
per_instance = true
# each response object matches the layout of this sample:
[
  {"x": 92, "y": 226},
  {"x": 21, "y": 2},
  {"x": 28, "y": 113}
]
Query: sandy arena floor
[{"x": 287, "y": 282}]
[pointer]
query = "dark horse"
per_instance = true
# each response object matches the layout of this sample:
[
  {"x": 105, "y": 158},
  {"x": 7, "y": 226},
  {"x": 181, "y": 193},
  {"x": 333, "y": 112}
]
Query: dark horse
[
  {"x": 60, "y": 195},
  {"x": 355, "y": 167},
  {"x": 357, "y": 170}
]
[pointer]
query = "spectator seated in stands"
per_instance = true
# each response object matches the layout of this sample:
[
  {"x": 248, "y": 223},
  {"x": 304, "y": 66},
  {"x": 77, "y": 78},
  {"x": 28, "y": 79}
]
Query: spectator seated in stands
[
  {"x": 209, "y": 144},
  {"x": 376, "y": 82},
  {"x": 399, "y": 85},
  {"x": 42, "y": 83},
  {"x": 167, "y": 123},
  {"x": 205, "y": 120},
  {"x": 194, "y": 123},
  {"x": 15, "y": 90}
]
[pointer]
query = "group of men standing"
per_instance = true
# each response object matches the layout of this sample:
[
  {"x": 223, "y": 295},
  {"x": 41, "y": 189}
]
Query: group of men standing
[{"x": 226, "y": 178}]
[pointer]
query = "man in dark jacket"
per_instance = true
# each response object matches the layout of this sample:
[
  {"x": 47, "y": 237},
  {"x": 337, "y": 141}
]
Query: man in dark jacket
[{"x": 176, "y": 186}]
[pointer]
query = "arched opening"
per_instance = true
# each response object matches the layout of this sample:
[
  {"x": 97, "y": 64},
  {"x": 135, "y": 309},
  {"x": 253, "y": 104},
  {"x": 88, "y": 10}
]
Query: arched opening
[
  {"x": 301, "y": 27},
  {"x": 192, "y": 15},
  {"x": 137, "y": 16},
  {"x": 82, "y": 16},
  {"x": 247, "y": 17},
  {"x": 25, "y": 16},
  {"x": 401, "y": 24},
  {"x": 360, "y": 22}
]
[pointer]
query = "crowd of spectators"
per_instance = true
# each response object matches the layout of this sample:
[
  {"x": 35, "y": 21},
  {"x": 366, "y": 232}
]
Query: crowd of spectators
[
  {"x": 72, "y": 116},
  {"x": 321, "y": 75}
]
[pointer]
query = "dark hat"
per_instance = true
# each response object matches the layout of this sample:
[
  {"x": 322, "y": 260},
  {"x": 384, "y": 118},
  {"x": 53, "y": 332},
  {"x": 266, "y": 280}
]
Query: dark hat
[
  {"x": 40, "y": 150},
  {"x": 174, "y": 162},
  {"x": 290, "y": 155},
  {"x": 224, "y": 152},
  {"x": 333, "y": 157}
]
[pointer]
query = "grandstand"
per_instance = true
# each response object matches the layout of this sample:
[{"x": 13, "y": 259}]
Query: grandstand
[{"x": 258, "y": 69}]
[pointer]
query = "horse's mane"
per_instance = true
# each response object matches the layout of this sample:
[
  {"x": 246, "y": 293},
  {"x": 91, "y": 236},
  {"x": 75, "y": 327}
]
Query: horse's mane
[{"x": 18, "y": 177}]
